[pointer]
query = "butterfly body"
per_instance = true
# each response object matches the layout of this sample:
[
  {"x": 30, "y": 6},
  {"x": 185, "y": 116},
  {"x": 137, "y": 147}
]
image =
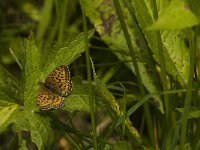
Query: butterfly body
[{"x": 57, "y": 86}]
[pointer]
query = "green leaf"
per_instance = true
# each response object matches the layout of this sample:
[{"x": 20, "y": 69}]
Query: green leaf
[
  {"x": 31, "y": 73},
  {"x": 38, "y": 126},
  {"x": 59, "y": 56},
  {"x": 66, "y": 54},
  {"x": 26, "y": 119},
  {"x": 8, "y": 96},
  {"x": 193, "y": 114},
  {"x": 176, "y": 52},
  {"x": 7, "y": 114},
  {"x": 29, "y": 118},
  {"x": 102, "y": 14},
  {"x": 114, "y": 109},
  {"x": 78, "y": 100},
  {"x": 9, "y": 86},
  {"x": 176, "y": 16}
]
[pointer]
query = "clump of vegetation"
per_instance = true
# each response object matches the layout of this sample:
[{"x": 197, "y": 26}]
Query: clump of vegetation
[{"x": 134, "y": 71}]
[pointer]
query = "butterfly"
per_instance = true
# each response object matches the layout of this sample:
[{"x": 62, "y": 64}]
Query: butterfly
[{"x": 57, "y": 85}]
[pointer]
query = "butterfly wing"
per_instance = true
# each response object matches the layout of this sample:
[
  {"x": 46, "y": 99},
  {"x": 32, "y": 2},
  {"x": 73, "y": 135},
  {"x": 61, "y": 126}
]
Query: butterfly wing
[
  {"x": 60, "y": 81},
  {"x": 48, "y": 100}
]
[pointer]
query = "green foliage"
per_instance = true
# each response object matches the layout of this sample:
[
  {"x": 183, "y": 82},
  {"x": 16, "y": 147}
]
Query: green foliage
[
  {"x": 192, "y": 114},
  {"x": 176, "y": 16},
  {"x": 26, "y": 118},
  {"x": 114, "y": 109},
  {"x": 158, "y": 43}
]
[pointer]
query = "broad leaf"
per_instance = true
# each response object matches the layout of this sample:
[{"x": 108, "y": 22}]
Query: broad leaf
[{"x": 102, "y": 14}]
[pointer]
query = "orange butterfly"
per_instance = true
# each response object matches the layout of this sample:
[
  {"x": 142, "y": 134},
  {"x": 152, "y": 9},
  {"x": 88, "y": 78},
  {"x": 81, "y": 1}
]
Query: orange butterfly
[{"x": 57, "y": 86}]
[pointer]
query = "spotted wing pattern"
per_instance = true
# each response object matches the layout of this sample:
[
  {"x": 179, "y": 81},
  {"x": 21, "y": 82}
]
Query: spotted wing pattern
[
  {"x": 57, "y": 86},
  {"x": 48, "y": 100},
  {"x": 60, "y": 80}
]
